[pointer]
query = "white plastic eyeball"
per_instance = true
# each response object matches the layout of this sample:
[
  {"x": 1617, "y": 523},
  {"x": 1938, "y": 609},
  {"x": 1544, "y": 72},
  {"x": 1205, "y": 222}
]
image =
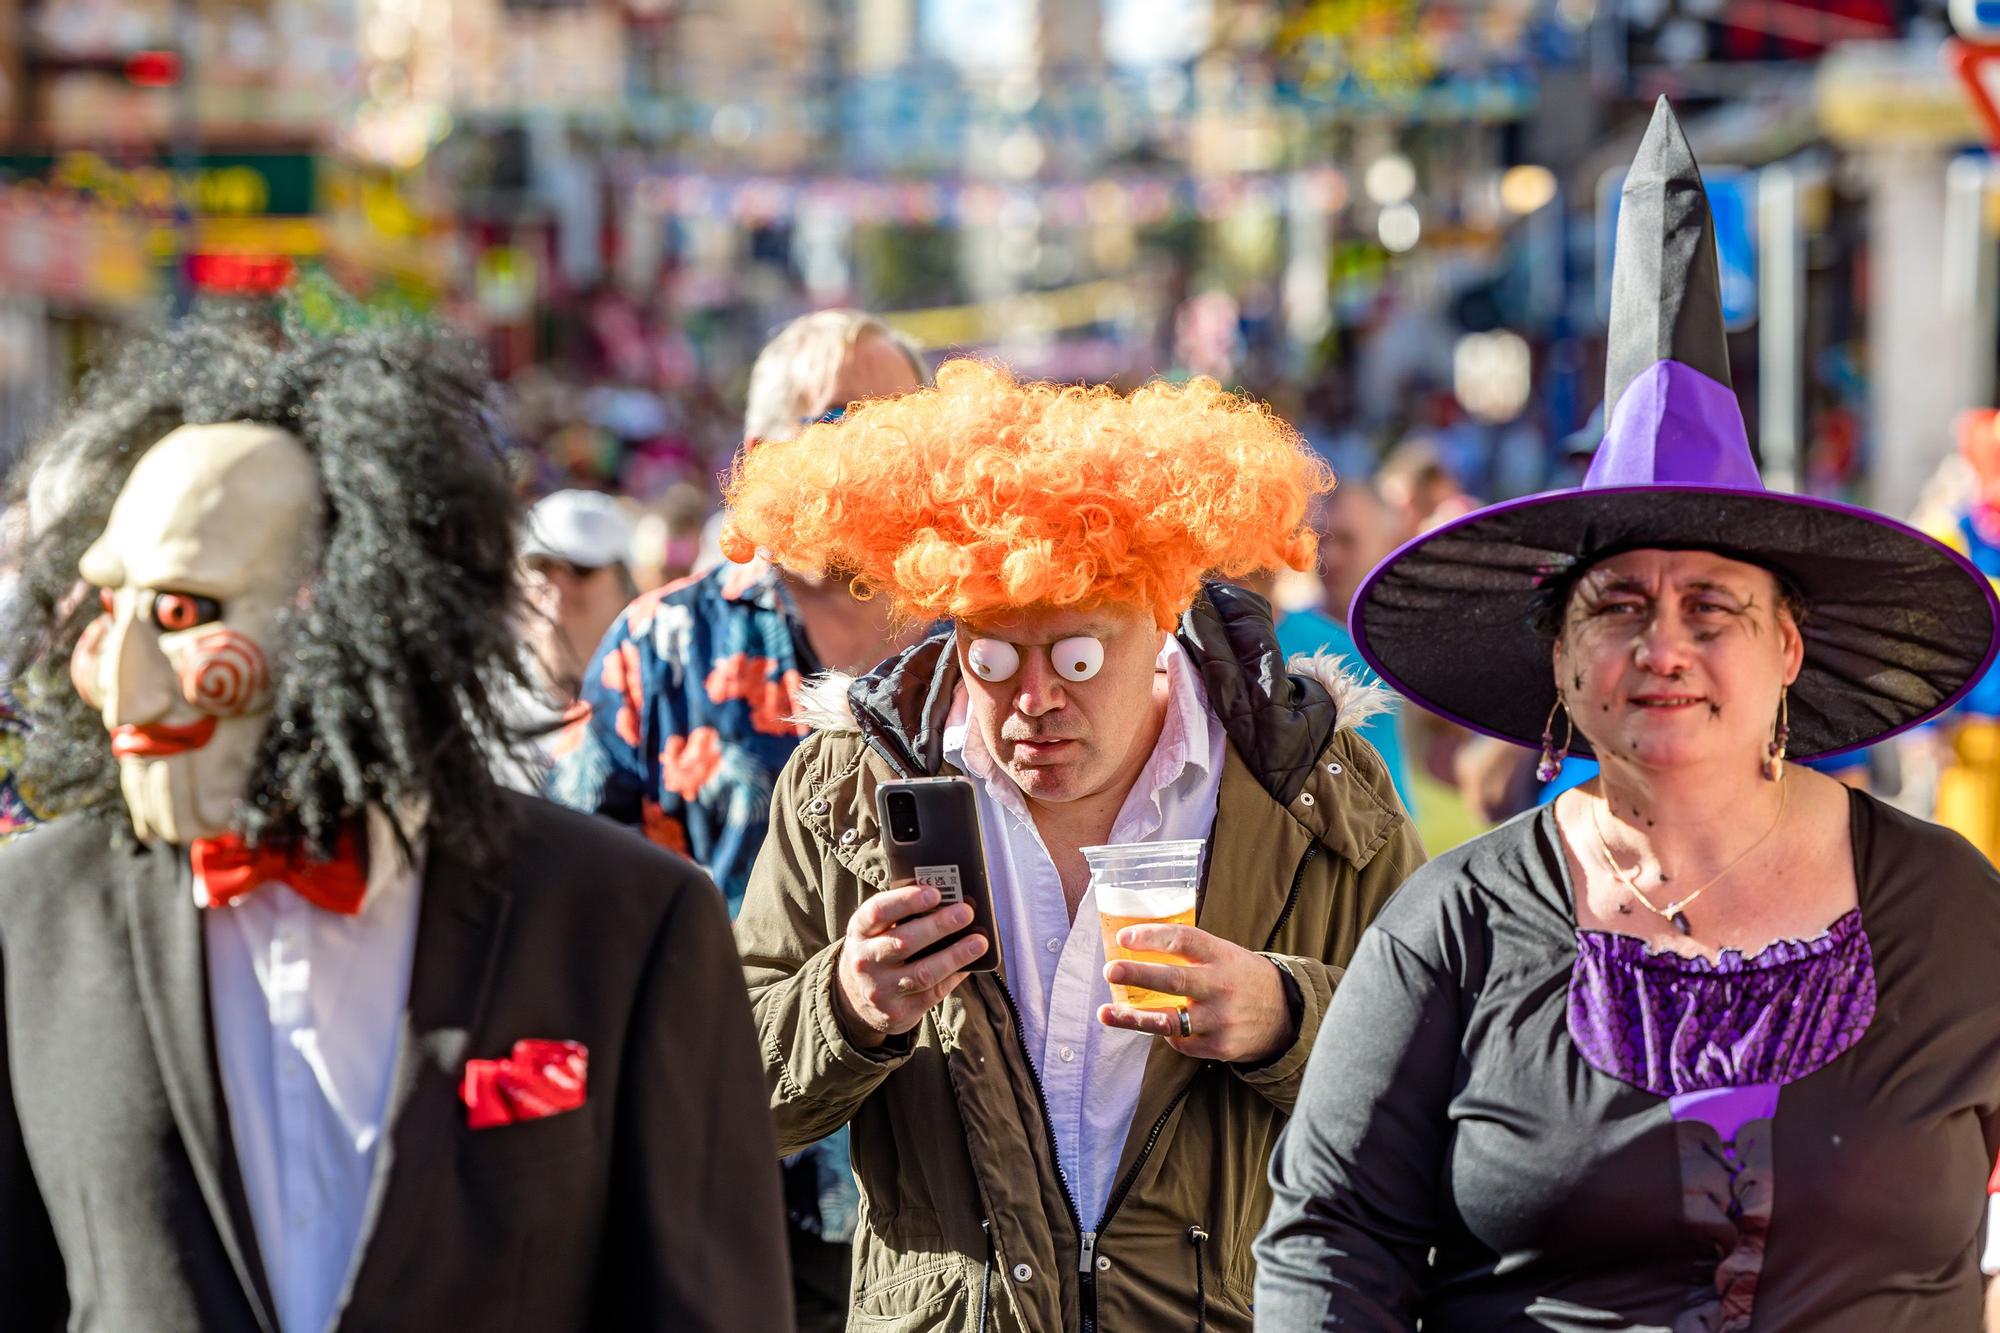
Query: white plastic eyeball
[
  {"x": 1077, "y": 659},
  {"x": 993, "y": 660}
]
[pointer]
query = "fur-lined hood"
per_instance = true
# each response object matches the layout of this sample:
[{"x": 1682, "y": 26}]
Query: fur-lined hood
[{"x": 1279, "y": 715}]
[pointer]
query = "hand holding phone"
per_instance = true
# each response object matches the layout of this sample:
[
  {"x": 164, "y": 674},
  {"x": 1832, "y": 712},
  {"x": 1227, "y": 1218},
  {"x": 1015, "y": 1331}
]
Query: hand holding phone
[
  {"x": 911, "y": 945},
  {"x": 883, "y": 989}
]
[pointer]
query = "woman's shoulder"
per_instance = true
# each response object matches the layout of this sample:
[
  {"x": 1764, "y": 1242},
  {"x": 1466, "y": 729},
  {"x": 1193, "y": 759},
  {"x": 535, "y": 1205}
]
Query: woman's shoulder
[
  {"x": 1898, "y": 848},
  {"x": 1453, "y": 895}
]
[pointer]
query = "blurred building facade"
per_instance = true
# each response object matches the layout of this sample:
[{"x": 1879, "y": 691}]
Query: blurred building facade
[{"x": 1388, "y": 216}]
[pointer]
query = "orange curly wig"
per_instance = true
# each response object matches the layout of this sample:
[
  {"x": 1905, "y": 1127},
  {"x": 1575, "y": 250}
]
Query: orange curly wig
[{"x": 984, "y": 495}]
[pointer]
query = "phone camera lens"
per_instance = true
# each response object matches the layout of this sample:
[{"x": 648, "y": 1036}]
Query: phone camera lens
[{"x": 903, "y": 817}]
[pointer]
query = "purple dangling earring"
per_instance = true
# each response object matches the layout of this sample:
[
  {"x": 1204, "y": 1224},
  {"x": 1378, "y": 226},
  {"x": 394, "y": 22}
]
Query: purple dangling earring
[
  {"x": 1552, "y": 758},
  {"x": 1774, "y": 753}
]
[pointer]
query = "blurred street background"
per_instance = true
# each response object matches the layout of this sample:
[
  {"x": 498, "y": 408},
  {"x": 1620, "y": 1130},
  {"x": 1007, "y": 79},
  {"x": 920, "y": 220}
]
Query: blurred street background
[{"x": 1391, "y": 219}]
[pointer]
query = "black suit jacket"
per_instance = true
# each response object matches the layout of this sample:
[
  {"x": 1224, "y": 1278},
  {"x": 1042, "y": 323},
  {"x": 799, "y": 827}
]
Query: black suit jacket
[{"x": 654, "y": 1206}]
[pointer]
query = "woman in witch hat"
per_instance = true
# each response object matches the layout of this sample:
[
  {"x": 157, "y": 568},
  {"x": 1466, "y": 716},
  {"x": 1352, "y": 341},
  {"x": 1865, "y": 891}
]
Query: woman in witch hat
[{"x": 1712, "y": 1041}]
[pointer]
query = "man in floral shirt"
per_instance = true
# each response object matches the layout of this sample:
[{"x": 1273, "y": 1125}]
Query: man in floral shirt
[
  {"x": 688, "y": 699},
  {"x": 689, "y": 695}
]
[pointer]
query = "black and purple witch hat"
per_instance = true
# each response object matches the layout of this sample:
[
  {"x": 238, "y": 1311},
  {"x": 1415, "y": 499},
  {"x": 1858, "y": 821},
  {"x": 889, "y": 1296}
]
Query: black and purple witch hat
[{"x": 1900, "y": 626}]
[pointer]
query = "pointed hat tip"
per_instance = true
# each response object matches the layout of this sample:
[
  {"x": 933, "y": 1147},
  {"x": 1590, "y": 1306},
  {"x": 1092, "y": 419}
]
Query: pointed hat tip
[{"x": 1664, "y": 153}]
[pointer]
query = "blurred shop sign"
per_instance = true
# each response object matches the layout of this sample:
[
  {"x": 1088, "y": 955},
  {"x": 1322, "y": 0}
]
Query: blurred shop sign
[
  {"x": 1732, "y": 201},
  {"x": 1104, "y": 301},
  {"x": 1881, "y": 95},
  {"x": 1977, "y": 65},
  {"x": 73, "y": 255},
  {"x": 1682, "y": 34},
  {"x": 223, "y": 184}
]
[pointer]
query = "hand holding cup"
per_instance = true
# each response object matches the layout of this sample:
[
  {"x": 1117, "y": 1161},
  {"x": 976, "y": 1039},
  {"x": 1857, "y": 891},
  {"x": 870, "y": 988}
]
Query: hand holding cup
[{"x": 1234, "y": 999}]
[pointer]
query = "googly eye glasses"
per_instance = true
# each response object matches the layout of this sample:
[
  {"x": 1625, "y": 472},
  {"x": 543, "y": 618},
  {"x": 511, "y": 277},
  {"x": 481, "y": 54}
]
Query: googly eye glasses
[{"x": 1075, "y": 659}]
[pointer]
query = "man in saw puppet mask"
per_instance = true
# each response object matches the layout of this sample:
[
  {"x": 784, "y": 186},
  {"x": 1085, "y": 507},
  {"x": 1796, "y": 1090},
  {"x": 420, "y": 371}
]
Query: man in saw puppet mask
[{"x": 297, "y": 980}]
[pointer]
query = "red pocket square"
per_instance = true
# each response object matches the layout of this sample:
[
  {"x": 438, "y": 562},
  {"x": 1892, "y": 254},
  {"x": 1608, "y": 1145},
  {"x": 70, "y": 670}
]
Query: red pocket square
[{"x": 541, "y": 1078}]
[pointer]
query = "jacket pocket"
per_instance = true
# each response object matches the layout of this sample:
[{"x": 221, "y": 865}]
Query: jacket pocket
[
  {"x": 537, "y": 1158},
  {"x": 933, "y": 1297}
]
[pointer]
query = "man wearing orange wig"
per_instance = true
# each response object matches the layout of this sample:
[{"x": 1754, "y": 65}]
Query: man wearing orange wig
[{"x": 1031, "y": 1155}]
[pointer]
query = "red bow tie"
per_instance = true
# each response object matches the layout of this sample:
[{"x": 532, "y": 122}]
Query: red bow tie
[{"x": 226, "y": 869}]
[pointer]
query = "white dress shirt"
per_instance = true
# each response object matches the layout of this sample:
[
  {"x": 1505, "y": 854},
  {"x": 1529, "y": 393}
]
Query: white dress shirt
[
  {"x": 307, "y": 1008},
  {"x": 1055, "y": 969}
]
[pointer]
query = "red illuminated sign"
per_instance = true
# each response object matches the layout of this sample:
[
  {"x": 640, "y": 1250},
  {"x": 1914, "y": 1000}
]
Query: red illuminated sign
[
  {"x": 257, "y": 274},
  {"x": 153, "y": 69}
]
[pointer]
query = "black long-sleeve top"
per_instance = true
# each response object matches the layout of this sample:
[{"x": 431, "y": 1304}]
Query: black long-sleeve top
[{"x": 1454, "y": 1160}]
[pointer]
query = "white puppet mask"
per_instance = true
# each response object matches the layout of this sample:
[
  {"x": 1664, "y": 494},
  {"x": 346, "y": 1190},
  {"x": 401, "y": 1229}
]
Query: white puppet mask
[{"x": 203, "y": 553}]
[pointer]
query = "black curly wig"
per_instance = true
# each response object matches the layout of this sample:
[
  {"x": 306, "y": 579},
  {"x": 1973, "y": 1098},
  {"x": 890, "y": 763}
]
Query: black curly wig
[{"x": 394, "y": 674}]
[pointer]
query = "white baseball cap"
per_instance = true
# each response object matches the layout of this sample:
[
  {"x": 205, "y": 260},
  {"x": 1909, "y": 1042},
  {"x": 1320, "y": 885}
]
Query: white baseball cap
[{"x": 586, "y": 528}]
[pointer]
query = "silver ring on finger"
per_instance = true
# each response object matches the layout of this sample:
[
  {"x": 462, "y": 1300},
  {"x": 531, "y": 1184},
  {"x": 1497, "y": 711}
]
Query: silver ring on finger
[
  {"x": 906, "y": 985},
  {"x": 1187, "y": 1024}
]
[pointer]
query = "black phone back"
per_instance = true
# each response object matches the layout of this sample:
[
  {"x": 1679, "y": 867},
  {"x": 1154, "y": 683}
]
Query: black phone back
[{"x": 930, "y": 833}]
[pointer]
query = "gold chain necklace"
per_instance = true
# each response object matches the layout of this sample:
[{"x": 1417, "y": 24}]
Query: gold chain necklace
[{"x": 1676, "y": 912}]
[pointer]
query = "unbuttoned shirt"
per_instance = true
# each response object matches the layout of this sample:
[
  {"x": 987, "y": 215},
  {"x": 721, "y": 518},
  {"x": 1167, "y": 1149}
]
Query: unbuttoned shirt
[
  {"x": 1090, "y": 1073},
  {"x": 307, "y": 1009}
]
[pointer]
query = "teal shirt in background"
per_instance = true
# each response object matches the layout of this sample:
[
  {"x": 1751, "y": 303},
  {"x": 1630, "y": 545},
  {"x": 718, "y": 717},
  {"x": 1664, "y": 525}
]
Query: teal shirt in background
[{"x": 1312, "y": 632}]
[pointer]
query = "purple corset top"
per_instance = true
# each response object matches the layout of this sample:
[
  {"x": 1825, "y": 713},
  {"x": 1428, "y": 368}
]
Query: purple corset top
[{"x": 1675, "y": 1025}]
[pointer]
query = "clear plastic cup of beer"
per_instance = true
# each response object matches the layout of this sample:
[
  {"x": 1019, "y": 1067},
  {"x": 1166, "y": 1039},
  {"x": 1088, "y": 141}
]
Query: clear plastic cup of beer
[{"x": 1140, "y": 884}]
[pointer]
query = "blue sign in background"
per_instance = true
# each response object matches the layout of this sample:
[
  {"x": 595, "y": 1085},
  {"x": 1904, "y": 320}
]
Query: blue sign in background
[{"x": 1732, "y": 201}]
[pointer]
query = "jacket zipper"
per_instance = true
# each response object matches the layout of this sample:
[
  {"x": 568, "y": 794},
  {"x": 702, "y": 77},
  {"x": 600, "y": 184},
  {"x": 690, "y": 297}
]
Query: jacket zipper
[
  {"x": 1131, "y": 1177},
  {"x": 1088, "y": 1259},
  {"x": 985, "y": 1275},
  {"x": 1055, "y": 1150},
  {"x": 1292, "y": 898}
]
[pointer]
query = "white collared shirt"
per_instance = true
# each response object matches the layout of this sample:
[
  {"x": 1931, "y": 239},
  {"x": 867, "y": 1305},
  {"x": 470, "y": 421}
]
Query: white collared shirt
[
  {"x": 307, "y": 1008},
  {"x": 1055, "y": 969}
]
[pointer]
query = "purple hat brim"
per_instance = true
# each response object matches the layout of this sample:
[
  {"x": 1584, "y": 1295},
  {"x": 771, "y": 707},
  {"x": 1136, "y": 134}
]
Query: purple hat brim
[{"x": 1900, "y": 625}]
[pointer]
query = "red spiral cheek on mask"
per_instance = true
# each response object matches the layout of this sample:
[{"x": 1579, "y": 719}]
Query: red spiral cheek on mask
[
  {"x": 83, "y": 663},
  {"x": 223, "y": 673}
]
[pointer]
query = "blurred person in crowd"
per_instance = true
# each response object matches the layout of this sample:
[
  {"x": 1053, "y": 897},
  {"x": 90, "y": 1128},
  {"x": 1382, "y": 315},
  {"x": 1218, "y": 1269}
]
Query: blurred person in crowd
[
  {"x": 575, "y": 551},
  {"x": 691, "y": 698},
  {"x": 1420, "y": 490},
  {"x": 1574, "y": 452},
  {"x": 1356, "y": 529},
  {"x": 667, "y": 537},
  {"x": 811, "y": 370},
  {"x": 1314, "y": 641},
  {"x": 292, "y": 1001},
  {"x": 1034, "y": 1156},
  {"x": 1711, "y": 1042},
  {"x": 1968, "y": 780}
]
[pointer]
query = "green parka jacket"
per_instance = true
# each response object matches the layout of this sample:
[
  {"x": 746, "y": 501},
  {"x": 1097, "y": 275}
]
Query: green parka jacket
[{"x": 966, "y": 1224}]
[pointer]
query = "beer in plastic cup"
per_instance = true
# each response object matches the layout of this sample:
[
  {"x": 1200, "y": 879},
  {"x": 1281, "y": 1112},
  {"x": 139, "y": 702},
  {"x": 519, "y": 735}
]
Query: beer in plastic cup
[{"x": 1144, "y": 883}]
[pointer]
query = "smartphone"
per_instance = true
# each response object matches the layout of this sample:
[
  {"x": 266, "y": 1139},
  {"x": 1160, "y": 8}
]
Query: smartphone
[{"x": 930, "y": 831}]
